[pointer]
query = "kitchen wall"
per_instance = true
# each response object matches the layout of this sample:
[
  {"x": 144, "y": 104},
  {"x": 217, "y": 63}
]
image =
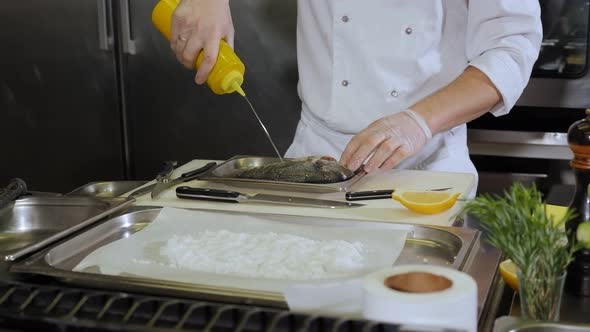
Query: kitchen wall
[
  {"x": 172, "y": 118},
  {"x": 90, "y": 91}
]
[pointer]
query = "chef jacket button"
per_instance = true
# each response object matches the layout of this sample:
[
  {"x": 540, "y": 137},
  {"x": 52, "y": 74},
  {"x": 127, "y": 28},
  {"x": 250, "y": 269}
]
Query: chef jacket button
[
  {"x": 344, "y": 83},
  {"x": 393, "y": 93},
  {"x": 409, "y": 31},
  {"x": 345, "y": 18}
]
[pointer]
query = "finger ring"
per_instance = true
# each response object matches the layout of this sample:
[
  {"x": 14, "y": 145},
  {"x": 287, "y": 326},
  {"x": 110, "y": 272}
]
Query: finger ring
[{"x": 182, "y": 38}]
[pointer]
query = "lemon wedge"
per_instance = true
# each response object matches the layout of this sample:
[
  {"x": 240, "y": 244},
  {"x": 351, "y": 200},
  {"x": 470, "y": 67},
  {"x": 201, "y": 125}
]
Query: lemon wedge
[
  {"x": 556, "y": 212},
  {"x": 508, "y": 271},
  {"x": 426, "y": 202},
  {"x": 583, "y": 234}
]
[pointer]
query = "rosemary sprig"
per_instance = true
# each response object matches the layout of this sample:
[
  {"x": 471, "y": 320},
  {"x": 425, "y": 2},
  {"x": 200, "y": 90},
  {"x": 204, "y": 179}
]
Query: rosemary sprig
[{"x": 518, "y": 225}]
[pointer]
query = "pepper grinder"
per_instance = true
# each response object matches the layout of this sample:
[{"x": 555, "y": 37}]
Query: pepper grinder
[{"x": 578, "y": 137}]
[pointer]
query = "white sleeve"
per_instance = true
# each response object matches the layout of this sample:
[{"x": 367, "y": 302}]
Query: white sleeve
[{"x": 503, "y": 41}]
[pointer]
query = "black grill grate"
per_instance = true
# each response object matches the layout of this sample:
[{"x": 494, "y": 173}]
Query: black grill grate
[{"x": 60, "y": 308}]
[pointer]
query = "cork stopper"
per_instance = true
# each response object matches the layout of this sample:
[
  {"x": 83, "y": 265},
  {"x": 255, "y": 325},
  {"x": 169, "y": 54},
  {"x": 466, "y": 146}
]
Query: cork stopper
[{"x": 578, "y": 138}]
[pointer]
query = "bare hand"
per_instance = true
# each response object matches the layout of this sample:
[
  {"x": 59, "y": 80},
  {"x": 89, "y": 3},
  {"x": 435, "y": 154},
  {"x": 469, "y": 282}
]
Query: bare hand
[
  {"x": 392, "y": 139},
  {"x": 200, "y": 25}
]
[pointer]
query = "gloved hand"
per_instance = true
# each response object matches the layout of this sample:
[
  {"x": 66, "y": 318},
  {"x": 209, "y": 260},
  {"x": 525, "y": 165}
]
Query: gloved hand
[
  {"x": 392, "y": 139},
  {"x": 197, "y": 25}
]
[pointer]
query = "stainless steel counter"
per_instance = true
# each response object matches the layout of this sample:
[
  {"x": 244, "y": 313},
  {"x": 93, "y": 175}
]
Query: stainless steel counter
[
  {"x": 481, "y": 263},
  {"x": 494, "y": 298}
]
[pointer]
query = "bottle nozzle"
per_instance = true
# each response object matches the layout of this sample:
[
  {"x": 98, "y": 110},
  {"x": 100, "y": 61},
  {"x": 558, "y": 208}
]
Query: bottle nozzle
[
  {"x": 236, "y": 86},
  {"x": 232, "y": 82}
]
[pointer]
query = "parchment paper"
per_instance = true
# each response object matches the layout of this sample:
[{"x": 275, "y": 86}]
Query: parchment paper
[{"x": 123, "y": 256}]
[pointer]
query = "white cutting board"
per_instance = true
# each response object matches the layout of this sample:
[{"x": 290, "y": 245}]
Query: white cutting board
[{"x": 386, "y": 210}]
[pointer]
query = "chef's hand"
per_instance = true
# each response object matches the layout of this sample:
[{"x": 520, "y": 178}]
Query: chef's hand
[
  {"x": 392, "y": 139},
  {"x": 200, "y": 25}
]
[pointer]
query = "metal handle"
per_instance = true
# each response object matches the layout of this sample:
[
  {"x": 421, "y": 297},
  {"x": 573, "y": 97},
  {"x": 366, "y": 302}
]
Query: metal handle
[
  {"x": 142, "y": 190},
  {"x": 128, "y": 43},
  {"x": 105, "y": 41},
  {"x": 191, "y": 175}
]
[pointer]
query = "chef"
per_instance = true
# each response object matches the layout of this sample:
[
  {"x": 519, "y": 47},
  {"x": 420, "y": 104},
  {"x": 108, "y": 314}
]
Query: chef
[{"x": 390, "y": 83}]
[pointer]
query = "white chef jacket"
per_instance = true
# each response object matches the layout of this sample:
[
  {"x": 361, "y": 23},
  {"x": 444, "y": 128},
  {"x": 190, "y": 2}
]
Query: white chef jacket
[{"x": 360, "y": 60}]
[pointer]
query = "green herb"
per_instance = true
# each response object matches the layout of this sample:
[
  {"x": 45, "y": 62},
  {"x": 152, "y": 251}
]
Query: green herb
[{"x": 518, "y": 225}]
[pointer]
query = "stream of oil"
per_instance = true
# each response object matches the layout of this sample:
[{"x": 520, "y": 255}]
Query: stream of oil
[{"x": 264, "y": 128}]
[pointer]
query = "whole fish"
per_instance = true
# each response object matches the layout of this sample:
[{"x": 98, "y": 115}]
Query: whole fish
[{"x": 313, "y": 169}]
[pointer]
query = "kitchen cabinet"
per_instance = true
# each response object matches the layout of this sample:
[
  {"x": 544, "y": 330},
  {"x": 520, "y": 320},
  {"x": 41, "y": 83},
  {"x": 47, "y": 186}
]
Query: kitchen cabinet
[
  {"x": 91, "y": 91},
  {"x": 59, "y": 107}
]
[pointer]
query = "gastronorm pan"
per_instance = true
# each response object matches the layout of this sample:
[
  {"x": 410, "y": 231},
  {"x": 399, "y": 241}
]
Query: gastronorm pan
[
  {"x": 106, "y": 189},
  {"x": 226, "y": 171},
  {"x": 445, "y": 246},
  {"x": 31, "y": 223}
]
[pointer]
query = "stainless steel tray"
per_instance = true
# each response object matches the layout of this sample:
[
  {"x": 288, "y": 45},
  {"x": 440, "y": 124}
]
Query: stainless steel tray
[
  {"x": 425, "y": 245},
  {"x": 106, "y": 189},
  {"x": 225, "y": 173},
  {"x": 535, "y": 326},
  {"x": 34, "y": 222}
]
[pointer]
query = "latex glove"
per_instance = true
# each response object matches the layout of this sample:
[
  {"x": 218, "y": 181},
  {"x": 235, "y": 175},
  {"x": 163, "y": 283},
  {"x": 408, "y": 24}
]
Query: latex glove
[
  {"x": 390, "y": 140},
  {"x": 200, "y": 25}
]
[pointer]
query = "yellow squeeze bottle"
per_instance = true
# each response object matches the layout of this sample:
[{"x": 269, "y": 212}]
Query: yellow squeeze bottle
[{"x": 227, "y": 74}]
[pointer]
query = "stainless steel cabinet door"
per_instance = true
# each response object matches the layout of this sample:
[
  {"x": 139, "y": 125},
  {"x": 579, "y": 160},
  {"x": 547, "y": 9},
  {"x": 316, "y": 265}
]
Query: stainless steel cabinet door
[
  {"x": 172, "y": 118},
  {"x": 60, "y": 123}
]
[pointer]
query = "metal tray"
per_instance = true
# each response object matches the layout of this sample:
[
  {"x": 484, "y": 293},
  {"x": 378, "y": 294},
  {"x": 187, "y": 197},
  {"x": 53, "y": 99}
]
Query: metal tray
[
  {"x": 535, "y": 326},
  {"x": 225, "y": 173},
  {"x": 31, "y": 223},
  {"x": 425, "y": 245},
  {"x": 106, "y": 189}
]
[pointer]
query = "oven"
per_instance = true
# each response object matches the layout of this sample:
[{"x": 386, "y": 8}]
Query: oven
[
  {"x": 560, "y": 77},
  {"x": 531, "y": 141}
]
